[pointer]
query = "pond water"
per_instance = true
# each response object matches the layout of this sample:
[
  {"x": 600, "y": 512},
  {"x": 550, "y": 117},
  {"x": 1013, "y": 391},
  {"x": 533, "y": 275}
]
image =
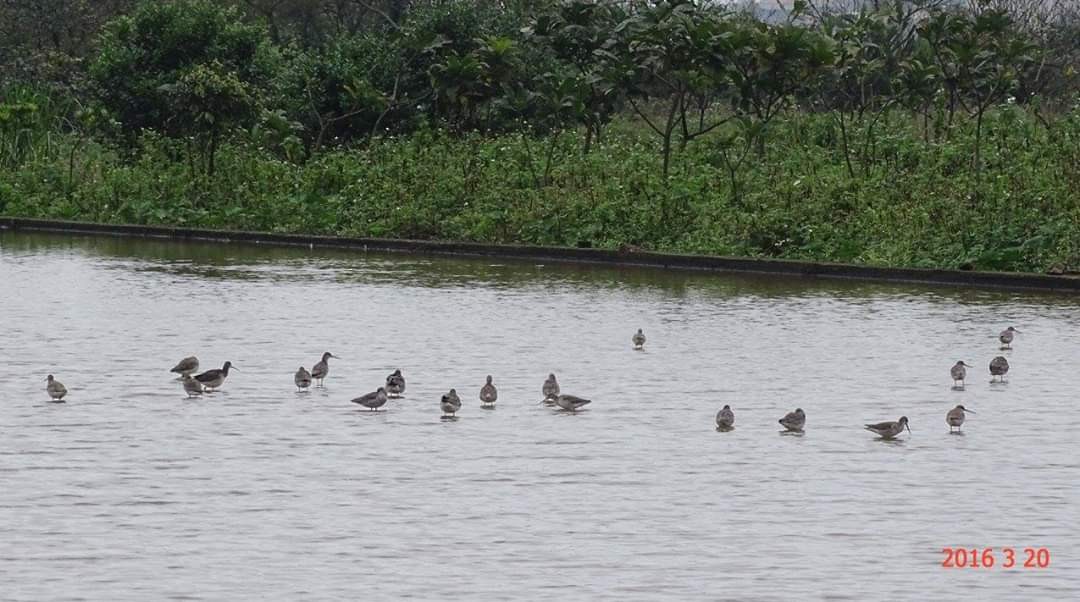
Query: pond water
[{"x": 131, "y": 492}]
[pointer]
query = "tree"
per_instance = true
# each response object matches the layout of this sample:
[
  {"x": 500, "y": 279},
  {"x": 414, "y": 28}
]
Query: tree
[
  {"x": 209, "y": 98},
  {"x": 43, "y": 41},
  {"x": 579, "y": 35},
  {"x": 869, "y": 50},
  {"x": 668, "y": 53},
  {"x": 343, "y": 90},
  {"x": 464, "y": 83},
  {"x": 188, "y": 69},
  {"x": 980, "y": 57},
  {"x": 66, "y": 26},
  {"x": 767, "y": 64}
]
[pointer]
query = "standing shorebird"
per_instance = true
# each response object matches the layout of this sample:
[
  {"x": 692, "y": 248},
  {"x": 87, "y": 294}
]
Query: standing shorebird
[
  {"x": 450, "y": 404},
  {"x": 958, "y": 373},
  {"x": 192, "y": 387},
  {"x": 888, "y": 430},
  {"x": 372, "y": 401},
  {"x": 187, "y": 366},
  {"x": 488, "y": 393},
  {"x": 794, "y": 421},
  {"x": 725, "y": 419},
  {"x": 395, "y": 384},
  {"x": 550, "y": 389},
  {"x": 302, "y": 378},
  {"x": 55, "y": 389},
  {"x": 999, "y": 366},
  {"x": 1006, "y": 337},
  {"x": 639, "y": 340},
  {"x": 322, "y": 368},
  {"x": 212, "y": 379},
  {"x": 955, "y": 417},
  {"x": 571, "y": 403}
]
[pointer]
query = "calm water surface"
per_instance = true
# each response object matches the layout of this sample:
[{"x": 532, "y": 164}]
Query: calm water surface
[{"x": 131, "y": 492}]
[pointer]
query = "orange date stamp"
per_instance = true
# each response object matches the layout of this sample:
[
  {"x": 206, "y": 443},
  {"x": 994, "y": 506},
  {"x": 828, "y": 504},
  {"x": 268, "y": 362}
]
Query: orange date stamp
[{"x": 988, "y": 558}]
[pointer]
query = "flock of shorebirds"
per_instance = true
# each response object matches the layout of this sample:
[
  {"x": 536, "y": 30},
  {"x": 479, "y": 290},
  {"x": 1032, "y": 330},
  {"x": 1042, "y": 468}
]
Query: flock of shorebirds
[{"x": 450, "y": 403}]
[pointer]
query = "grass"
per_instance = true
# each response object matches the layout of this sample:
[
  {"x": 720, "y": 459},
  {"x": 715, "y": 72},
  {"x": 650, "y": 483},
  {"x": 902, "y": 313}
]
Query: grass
[{"x": 910, "y": 202}]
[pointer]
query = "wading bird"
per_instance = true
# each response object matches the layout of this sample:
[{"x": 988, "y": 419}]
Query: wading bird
[
  {"x": 187, "y": 366},
  {"x": 192, "y": 387},
  {"x": 639, "y": 339},
  {"x": 322, "y": 367},
  {"x": 999, "y": 367},
  {"x": 550, "y": 389},
  {"x": 302, "y": 378},
  {"x": 794, "y": 421},
  {"x": 571, "y": 403},
  {"x": 55, "y": 389},
  {"x": 1006, "y": 337},
  {"x": 488, "y": 393},
  {"x": 450, "y": 403},
  {"x": 725, "y": 419},
  {"x": 888, "y": 430},
  {"x": 958, "y": 373},
  {"x": 372, "y": 401},
  {"x": 212, "y": 379},
  {"x": 395, "y": 384},
  {"x": 955, "y": 417}
]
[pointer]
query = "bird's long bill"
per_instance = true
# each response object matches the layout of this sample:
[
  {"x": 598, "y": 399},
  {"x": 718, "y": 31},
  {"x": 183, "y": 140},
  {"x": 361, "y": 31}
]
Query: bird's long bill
[
  {"x": 967, "y": 410},
  {"x": 234, "y": 368},
  {"x": 908, "y": 428}
]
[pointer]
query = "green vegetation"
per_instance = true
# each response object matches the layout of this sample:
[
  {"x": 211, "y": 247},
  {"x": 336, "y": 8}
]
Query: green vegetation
[{"x": 907, "y": 135}]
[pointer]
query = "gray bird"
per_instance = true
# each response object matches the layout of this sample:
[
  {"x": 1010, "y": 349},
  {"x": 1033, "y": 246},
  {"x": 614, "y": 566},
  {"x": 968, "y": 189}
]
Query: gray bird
[
  {"x": 395, "y": 384},
  {"x": 570, "y": 402},
  {"x": 450, "y": 403},
  {"x": 322, "y": 367},
  {"x": 888, "y": 430},
  {"x": 638, "y": 339},
  {"x": 550, "y": 389},
  {"x": 999, "y": 367},
  {"x": 725, "y": 419},
  {"x": 794, "y": 421},
  {"x": 372, "y": 401},
  {"x": 187, "y": 366},
  {"x": 55, "y": 389},
  {"x": 1006, "y": 337},
  {"x": 192, "y": 387},
  {"x": 488, "y": 393},
  {"x": 212, "y": 379},
  {"x": 302, "y": 378},
  {"x": 958, "y": 373},
  {"x": 955, "y": 417}
]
